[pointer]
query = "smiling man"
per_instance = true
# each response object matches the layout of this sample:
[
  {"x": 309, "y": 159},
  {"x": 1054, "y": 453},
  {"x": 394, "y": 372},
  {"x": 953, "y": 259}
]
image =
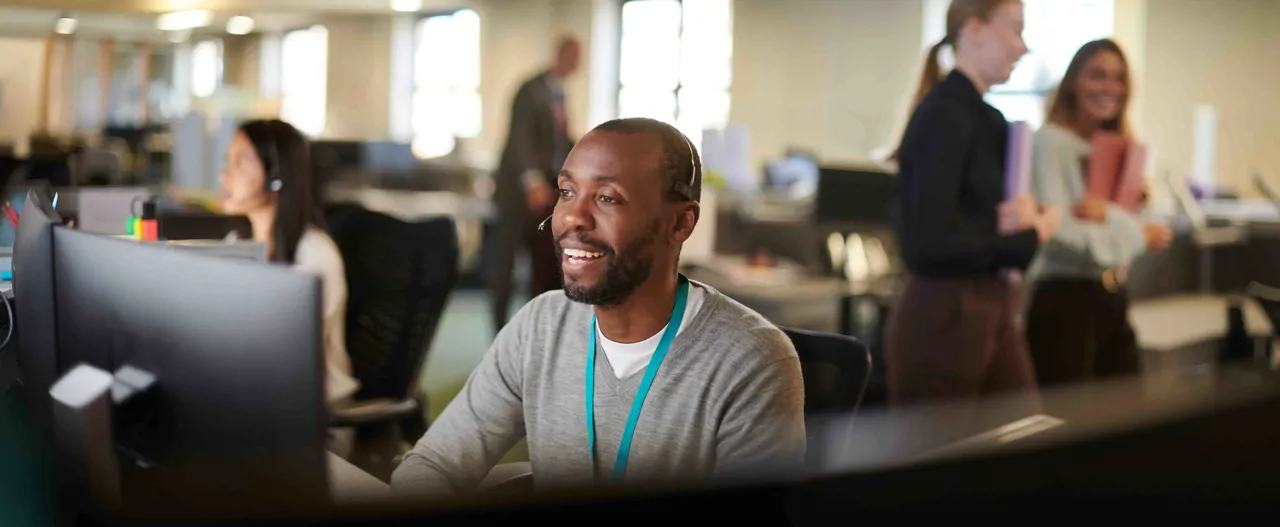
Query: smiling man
[{"x": 631, "y": 373}]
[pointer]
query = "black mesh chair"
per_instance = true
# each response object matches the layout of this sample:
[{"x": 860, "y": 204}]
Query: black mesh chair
[
  {"x": 399, "y": 276},
  {"x": 836, "y": 371}
]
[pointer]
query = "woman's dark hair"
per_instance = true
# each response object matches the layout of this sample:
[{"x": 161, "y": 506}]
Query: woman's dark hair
[{"x": 286, "y": 160}]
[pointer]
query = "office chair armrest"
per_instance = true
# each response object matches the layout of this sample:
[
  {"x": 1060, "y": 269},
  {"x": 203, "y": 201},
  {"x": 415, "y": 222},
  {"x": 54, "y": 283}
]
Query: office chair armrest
[{"x": 372, "y": 411}]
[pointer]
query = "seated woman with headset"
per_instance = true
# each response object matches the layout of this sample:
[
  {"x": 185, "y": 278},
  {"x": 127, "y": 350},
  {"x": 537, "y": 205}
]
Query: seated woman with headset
[{"x": 267, "y": 178}]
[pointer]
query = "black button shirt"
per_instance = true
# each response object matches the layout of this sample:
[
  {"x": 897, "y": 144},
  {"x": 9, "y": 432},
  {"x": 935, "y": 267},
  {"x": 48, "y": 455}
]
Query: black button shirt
[{"x": 951, "y": 165}]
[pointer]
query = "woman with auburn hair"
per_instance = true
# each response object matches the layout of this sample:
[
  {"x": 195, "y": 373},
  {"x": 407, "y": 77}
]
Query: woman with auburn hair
[
  {"x": 952, "y": 336},
  {"x": 1077, "y": 321}
]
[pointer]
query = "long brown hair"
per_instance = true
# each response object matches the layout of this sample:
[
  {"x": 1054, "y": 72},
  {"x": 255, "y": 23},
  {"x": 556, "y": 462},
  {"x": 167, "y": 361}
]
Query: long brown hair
[
  {"x": 959, "y": 12},
  {"x": 1062, "y": 111}
]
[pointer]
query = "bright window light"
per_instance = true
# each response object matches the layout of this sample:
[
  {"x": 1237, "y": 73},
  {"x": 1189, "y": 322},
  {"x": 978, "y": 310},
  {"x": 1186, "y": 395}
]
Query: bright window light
[
  {"x": 677, "y": 63},
  {"x": 406, "y": 6},
  {"x": 304, "y": 57},
  {"x": 240, "y": 25},
  {"x": 184, "y": 20},
  {"x": 446, "y": 82},
  {"x": 1054, "y": 31},
  {"x": 65, "y": 25},
  {"x": 206, "y": 67}
]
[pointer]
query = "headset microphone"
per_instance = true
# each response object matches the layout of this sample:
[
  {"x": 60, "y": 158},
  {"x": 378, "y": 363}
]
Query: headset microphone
[{"x": 543, "y": 225}]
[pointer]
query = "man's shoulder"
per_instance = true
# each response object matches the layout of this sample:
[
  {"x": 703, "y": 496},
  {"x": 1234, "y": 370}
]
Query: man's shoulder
[
  {"x": 740, "y": 333},
  {"x": 534, "y": 83}
]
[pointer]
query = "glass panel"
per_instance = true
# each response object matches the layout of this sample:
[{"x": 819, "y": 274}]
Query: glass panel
[
  {"x": 1054, "y": 31},
  {"x": 303, "y": 85},
  {"x": 206, "y": 67},
  {"x": 435, "y": 143},
  {"x": 431, "y": 58},
  {"x": 466, "y": 47},
  {"x": 432, "y": 114},
  {"x": 704, "y": 108},
  {"x": 654, "y": 104},
  {"x": 465, "y": 113},
  {"x": 650, "y": 48},
  {"x": 706, "y": 58},
  {"x": 1019, "y": 107}
]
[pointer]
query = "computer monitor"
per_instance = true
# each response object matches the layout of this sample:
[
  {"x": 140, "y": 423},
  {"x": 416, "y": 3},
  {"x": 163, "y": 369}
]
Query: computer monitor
[
  {"x": 202, "y": 225},
  {"x": 333, "y": 159},
  {"x": 33, "y": 291},
  {"x": 108, "y": 210},
  {"x": 863, "y": 196},
  {"x": 794, "y": 173},
  {"x": 236, "y": 420},
  {"x": 389, "y": 157}
]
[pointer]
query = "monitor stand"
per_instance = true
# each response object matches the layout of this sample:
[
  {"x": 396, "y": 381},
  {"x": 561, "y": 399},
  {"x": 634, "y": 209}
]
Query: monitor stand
[{"x": 83, "y": 400}]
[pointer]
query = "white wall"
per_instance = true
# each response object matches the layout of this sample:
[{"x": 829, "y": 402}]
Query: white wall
[
  {"x": 830, "y": 76},
  {"x": 515, "y": 43},
  {"x": 359, "y": 75},
  {"x": 517, "y": 39},
  {"x": 20, "y": 86},
  {"x": 1220, "y": 53}
]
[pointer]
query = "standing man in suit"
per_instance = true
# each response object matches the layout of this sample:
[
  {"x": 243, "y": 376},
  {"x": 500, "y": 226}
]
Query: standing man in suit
[{"x": 525, "y": 184}]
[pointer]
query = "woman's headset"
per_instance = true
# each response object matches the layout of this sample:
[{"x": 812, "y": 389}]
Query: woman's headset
[{"x": 273, "y": 182}]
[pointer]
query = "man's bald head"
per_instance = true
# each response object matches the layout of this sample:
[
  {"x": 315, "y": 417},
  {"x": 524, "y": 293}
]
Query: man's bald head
[{"x": 568, "y": 56}]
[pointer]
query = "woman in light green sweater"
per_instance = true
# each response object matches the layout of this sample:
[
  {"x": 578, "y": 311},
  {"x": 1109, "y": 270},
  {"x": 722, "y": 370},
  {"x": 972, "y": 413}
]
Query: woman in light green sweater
[{"x": 1077, "y": 322}]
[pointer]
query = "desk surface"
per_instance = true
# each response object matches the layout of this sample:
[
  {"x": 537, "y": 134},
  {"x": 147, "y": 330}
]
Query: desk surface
[
  {"x": 1167, "y": 323},
  {"x": 348, "y": 484}
]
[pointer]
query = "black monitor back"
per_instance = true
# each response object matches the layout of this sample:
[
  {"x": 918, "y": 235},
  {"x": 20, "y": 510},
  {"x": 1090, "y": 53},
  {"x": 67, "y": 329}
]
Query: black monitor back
[
  {"x": 237, "y": 419},
  {"x": 33, "y": 292},
  {"x": 857, "y": 196},
  {"x": 201, "y": 225}
]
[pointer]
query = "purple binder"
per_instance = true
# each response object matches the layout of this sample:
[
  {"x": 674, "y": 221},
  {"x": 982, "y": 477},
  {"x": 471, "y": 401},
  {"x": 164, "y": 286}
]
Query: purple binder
[
  {"x": 1017, "y": 163},
  {"x": 1017, "y": 173}
]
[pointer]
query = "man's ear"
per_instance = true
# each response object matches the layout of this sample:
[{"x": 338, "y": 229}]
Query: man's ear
[{"x": 686, "y": 220}]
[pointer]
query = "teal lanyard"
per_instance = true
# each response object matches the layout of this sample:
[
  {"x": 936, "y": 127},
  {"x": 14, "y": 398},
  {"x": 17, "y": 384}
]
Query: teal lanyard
[{"x": 673, "y": 326}]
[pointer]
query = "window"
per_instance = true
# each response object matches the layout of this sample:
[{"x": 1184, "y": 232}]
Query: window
[
  {"x": 304, "y": 55},
  {"x": 206, "y": 67},
  {"x": 446, "y": 82},
  {"x": 676, "y": 63},
  {"x": 1054, "y": 31}
]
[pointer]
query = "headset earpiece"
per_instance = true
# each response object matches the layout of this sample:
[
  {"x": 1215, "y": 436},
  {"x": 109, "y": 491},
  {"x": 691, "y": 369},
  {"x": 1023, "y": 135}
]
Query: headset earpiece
[
  {"x": 273, "y": 182},
  {"x": 686, "y": 189}
]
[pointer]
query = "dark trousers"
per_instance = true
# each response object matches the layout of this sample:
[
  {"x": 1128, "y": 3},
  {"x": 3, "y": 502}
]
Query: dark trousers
[
  {"x": 1078, "y": 331},
  {"x": 516, "y": 231},
  {"x": 955, "y": 340}
]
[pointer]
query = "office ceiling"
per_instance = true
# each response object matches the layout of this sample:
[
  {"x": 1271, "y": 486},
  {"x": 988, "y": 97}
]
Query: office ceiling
[{"x": 161, "y": 6}]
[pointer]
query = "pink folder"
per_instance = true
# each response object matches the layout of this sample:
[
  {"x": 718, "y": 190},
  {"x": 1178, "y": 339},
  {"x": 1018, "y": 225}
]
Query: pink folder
[
  {"x": 1116, "y": 170},
  {"x": 1105, "y": 163},
  {"x": 1128, "y": 193}
]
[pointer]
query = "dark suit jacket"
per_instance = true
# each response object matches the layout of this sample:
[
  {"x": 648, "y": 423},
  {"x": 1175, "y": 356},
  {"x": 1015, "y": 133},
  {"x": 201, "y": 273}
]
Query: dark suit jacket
[{"x": 532, "y": 144}]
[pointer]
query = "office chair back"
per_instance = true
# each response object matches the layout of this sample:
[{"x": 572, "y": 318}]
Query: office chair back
[
  {"x": 399, "y": 276},
  {"x": 836, "y": 369}
]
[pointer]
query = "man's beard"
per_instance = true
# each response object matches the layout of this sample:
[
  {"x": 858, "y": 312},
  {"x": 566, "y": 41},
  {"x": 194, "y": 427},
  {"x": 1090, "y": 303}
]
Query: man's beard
[{"x": 623, "y": 274}]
